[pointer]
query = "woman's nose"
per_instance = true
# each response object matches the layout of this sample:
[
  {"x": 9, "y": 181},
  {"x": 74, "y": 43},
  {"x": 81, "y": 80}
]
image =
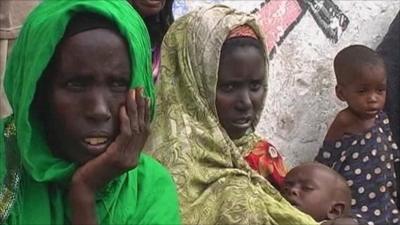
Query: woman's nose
[
  {"x": 244, "y": 100},
  {"x": 98, "y": 108}
]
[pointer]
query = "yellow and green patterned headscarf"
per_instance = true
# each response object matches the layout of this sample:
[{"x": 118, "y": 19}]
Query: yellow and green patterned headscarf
[
  {"x": 215, "y": 184},
  {"x": 33, "y": 182}
]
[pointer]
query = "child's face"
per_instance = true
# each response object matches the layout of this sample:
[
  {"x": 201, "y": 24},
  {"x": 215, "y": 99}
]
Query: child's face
[
  {"x": 85, "y": 92},
  {"x": 365, "y": 94},
  {"x": 309, "y": 189},
  {"x": 240, "y": 90}
]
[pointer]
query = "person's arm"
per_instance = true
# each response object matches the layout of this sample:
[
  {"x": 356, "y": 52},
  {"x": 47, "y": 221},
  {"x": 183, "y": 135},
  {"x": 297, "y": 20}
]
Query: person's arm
[
  {"x": 82, "y": 203},
  {"x": 122, "y": 155},
  {"x": 338, "y": 127},
  {"x": 331, "y": 149},
  {"x": 397, "y": 170},
  {"x": 389, "y": 49}
]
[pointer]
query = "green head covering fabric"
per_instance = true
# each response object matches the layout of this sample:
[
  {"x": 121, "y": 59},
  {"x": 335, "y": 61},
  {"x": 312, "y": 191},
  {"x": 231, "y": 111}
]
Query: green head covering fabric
[
  {"x": 33, "y": 191},
  {"x": 215, "y": 184}
]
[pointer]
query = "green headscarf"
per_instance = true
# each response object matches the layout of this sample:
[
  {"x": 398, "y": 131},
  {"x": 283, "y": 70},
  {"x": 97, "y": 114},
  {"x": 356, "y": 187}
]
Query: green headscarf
[
  {"x": 215, "y": 184},
  {"x": 33, "y": 191}
]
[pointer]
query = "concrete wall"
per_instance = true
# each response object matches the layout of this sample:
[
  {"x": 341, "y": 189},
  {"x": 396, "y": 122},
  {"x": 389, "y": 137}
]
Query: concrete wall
[{"x": 301, "y": 102}]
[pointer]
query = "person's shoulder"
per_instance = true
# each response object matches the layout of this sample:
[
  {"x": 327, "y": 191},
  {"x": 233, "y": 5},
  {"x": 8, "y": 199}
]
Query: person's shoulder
[
  {"x": 339, "y": 126},
  {"x": 383, "y": 117}
]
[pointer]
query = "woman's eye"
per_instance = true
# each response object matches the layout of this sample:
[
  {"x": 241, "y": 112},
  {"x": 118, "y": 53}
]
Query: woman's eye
[
  {"x": 255, "y": 86},
  {"x": 226, "y": 87},
  {"x": 120, "y": 85},
  {"x": 75, "y": 85}
]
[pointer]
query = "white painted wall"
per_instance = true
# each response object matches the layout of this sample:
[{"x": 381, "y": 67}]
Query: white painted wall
[{"x": 301, "y": 102}]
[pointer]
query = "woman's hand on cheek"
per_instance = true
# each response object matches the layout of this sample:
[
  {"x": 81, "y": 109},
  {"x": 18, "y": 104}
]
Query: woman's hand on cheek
[{"x": 123, "y": 154}]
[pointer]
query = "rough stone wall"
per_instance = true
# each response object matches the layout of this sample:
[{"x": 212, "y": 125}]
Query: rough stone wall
[{"x": 301, "y": 101}]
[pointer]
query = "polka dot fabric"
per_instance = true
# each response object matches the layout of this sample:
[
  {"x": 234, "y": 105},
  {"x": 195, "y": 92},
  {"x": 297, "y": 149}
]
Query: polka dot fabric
[{"x": 367, "y": 163}]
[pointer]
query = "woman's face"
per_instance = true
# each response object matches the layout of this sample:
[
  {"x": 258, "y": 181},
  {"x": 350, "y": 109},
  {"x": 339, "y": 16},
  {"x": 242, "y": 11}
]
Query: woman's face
[
  {"x": 240, "y": 89},
  {"x": 148, "y": 7},
  {"x": 86, "y": 89}
]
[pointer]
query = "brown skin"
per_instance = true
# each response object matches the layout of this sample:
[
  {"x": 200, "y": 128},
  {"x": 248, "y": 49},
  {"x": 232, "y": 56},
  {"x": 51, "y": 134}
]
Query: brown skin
[
  {"x": 89, "y": 101},
  {"x": 341, "y": 221},
  {"x": 317, "y": 191},
  {"x": 240, "y": 90},
  {"x": 148, "y": 7},
  {"x": 365, "y": 95}
]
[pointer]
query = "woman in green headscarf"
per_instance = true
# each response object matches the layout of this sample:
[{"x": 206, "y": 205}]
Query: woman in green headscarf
[
  {"x": 211, "y": 93},
  {"x": 80, "y": 86}
]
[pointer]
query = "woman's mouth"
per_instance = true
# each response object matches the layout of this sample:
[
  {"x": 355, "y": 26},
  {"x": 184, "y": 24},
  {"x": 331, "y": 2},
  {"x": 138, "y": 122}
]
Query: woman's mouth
[
  {"x": 242, "y": 123},
  {"x": 96, "y": 145},
  {"x": 153, "y": 3},
  {"x": 96, "y": 140}
]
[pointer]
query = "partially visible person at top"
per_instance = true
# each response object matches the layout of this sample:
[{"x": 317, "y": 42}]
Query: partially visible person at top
[
  {"x": 359, "y": 143},
  {"x": 320, "y": 192},
  {"x": 79, "y": 83},
  {"x": 212, "y": 90},
  {"x": 12, "y": 15},
  {"x": 158, "y": 16},
  {"x": 389, "y": 49}
]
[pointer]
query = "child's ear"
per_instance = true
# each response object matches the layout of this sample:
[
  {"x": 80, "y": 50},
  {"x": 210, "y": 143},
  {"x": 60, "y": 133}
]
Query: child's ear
[
  {"x": 339, "y": 92},
  {"x": 336, "y": 210}
]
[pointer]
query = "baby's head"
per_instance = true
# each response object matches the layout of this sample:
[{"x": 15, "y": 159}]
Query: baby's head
[
  {"x": 318, "y": 191},
  {"x": 361, "y": 80}
]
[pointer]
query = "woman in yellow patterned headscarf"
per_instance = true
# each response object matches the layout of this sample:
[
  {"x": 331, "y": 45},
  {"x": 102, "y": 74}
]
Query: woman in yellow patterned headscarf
[{"x": 204, "y": 151}]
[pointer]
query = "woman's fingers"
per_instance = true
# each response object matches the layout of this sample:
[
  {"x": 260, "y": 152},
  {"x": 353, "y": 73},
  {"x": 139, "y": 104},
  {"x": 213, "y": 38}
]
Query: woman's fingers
[
  {"x": 138, "y": 112},
  {"x": 132, "y": 110},
  {"x": 125, "y": 128},
  {"x": 141, "y": 109},
  {"x": 147, "y": 113},
  {"x": 134, "y": 129}
]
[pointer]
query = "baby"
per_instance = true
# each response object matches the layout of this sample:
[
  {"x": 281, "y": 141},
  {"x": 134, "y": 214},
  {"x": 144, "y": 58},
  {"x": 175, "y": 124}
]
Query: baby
[
  {"x": 320, "y": 192},
  {"x": 359, "y": 143}
]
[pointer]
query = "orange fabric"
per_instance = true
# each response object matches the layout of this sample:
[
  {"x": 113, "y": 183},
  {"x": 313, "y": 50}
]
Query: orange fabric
[
  {"x": 242, "y": 31},
  {"x": 266, "y": 160}
]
